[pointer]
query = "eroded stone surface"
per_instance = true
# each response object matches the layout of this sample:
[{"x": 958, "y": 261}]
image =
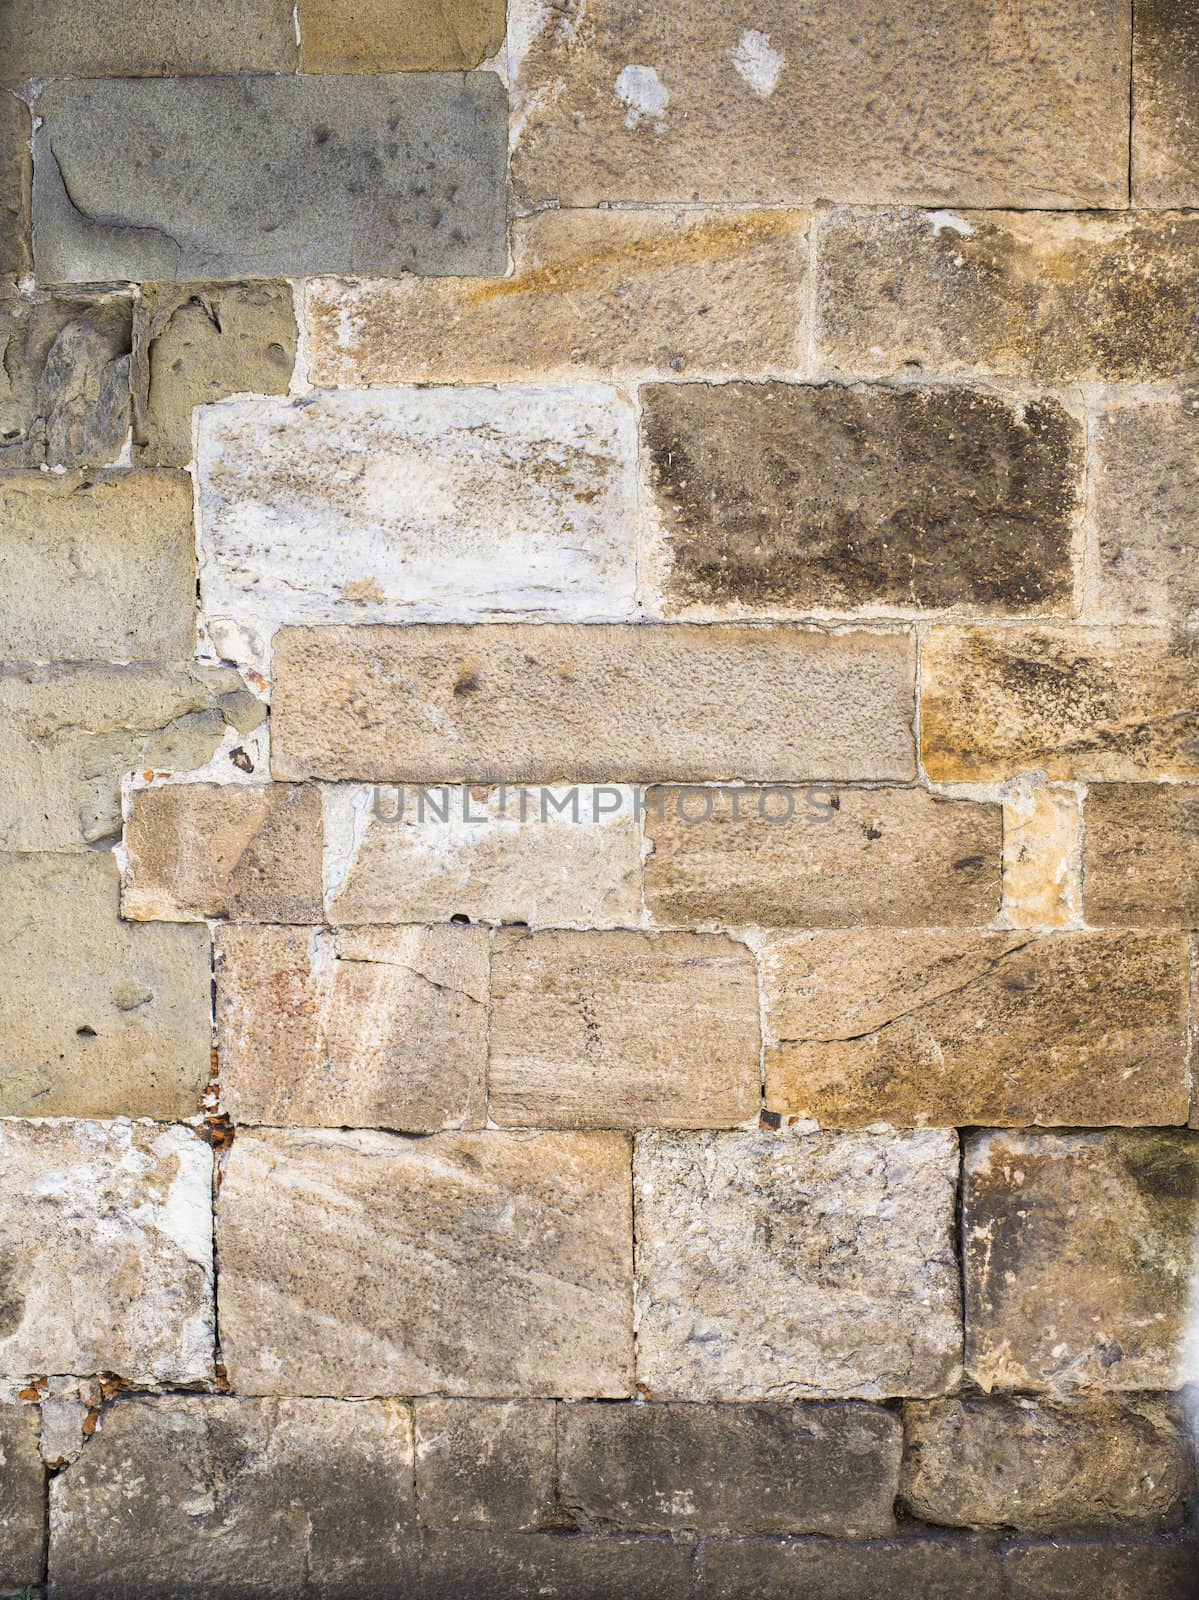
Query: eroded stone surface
[
  {"x": 771, "y": 1569},
  {"x": 17, "y": 171},
  {"x": 105, "y": 38},
  {"x": 378, "y": 36},
  {"x": 1062, "y": 1571},
  {"x": 966, "y": 1028},
  {"x": 1078, "y": 1255},
  {"x": 107, "y": 1244},
  {"x": 1165, "y": 82},
  {"x": 485, "y": 1463},
  {"x": 784, "y": 1264},
  {"x": 590, "y": 704},
  {"x": 1142, "y": 854},
  {"x": 488, "y": 1264},
  {"x": 1042, "y": 841},
  {"x": 22, "y": 1488}
]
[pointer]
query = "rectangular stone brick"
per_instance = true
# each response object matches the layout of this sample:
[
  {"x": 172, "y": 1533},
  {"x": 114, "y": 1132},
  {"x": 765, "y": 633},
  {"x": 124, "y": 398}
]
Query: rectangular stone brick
[
  {"x": 383, "y": 1027},
  {"x": 622, "y": 1030},
  {"x": 820, "y": 857},
  {"x": 784, "y": 498},
  {"x": 966, "y": 1028},
  {"x": 106, "y": 1230},
  {"x": 97, "y": 567},
  {"x": 1165, "y": 129},
  {"x": 16, "y": 170},
  {"x": 531, "y": 1566},
  {"x": 22, "y": 1496},
  {"x": 209, "y": 1495},
  {"x": 592, "y": 293},
  {"x": 1061, "y": 1571},
  {"x": 1141, "y": 856},
  {"x": 1089, "y": 703},
  {"x": 866, "y": 101},
  {"x": 776, "y": 1569},
  {"x": 97, "y": 1018},
  {"x": 1078, "y": 1257},
  {"x": 595, "y": 704},
  {"x": 247, "y": 851},
  {"x": 104, "y": 38},
  {"x": 1042, "y": 848},
  {"x": 790, "y": 1265},
  {"x": 731, "y": 1469},
  {"x": 1016, "y": 294},
  {"x": 223, "y": 177},
  {"x": 378, "y": 36},
  {"x": 485, "y": 1463},
  {"x": 487, "y": 1264}
]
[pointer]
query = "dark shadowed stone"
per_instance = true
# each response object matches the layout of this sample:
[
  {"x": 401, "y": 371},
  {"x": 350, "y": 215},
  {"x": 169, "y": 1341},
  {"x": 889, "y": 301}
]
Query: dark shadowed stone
[
  {"x": 1161, "y": 1571},
  {"x": 1165, "y": 87},
  {"x": 22, "y": 1489},
  {"x": 829, "y": 1569},
  {"x": 485, "y": 1463},
  {"x": 546, "y": 1566},
  {"x": 1141, "y": 854},
  {"x": 15, "y": 175}
]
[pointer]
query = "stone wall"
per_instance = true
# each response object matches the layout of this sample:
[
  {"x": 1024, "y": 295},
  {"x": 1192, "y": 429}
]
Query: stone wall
[{"x": 599, "y": 799}]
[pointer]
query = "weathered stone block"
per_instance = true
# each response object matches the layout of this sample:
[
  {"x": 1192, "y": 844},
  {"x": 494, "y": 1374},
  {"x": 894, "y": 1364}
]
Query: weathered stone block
[
  {"x": 731, "y": 1469},
  {"x": 1060, "y": 1571},
  {"x": 1043, "y": 1466},
  {"x": 1165, "y": 129},
  {"x": 240, "y": 177},
  {"x": 22, "y": 1493},
  {"x": 247, "y": 851},
  {"x": 978, "y": 1028},
  {"x": 485, "y": 1463},
  {"x": 1018, "y": 294},
  {"x": 102, "y": 38},
  {"x": 16, "y": 172},
  {"x": 870, "y": 102},
  {"x": 107, "y": 1242},
  {"x": 531, "y": 1566},
  {"x": 1078, "y": 1257},
  {"x": 820, "y": 857},
  {"x": 775, "y": 497},
  {"x": 1141, "y": 859},
  {"x": 340, "y": 36},
  {"x": 783, "y": 1264},
  {"x": 1042, "y": 844},
  {"x": 208, "y": 1495},
  {"x": 622, "y": 1030},
  {"x": 96, "y": 567},
  {"x": 487, "y": 1264},
  {"x": 99, "y": 1019},
  {"x": 1096, "y": 703},
  {"x": 197, "y": 343},
  {"x": 592, "y": 293},
  {"x": 776, "y": 1569},
  {"x": 382, "y": 1027},
  {"x": 591, "y": 704}
]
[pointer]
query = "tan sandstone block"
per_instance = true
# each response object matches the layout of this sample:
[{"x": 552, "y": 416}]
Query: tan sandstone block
[
  {"x": 486, "y": 1463},
  {"x": 488, "y": 1264},
  {"x": 822, "y": 858},
  {"x": 377, "y": 1027},
  {"x": 1072, "y": 702},
  {"x": 592, "y": 293},
  {"x": 602, "y": 704},
  {"x": 1165, "y": 82},
  {"x": 622, "y": 1030},
  {"x": 1141, "y": 861},
  {"x": 1054, "y": 299},
  {"x": 22, "y": 1497},
  {"x": 251, "y": 852},
  {"x": 789, "y": 1265},
  {"x": 864, "y": 100},
  {"x": 1078, "y": 1258},
  {"x": 1042, "y": 841},
  {"x": 98, "y": 1018},
  {"x": 107, "y": 1239},
  {"x": 381, "y": 36}
]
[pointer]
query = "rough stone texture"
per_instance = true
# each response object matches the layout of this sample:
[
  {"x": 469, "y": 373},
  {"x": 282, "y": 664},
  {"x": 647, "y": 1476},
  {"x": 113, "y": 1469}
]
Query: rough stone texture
[
  {"x": 1117, "y": 1571},
  {"x": 1144, "y": 505},
  {"x": 1042, "y": 841},
  {"x": 968, "y": 1028},
  {"x": 379, "y": 36},
  {"x": 789, "y": 1264},
  {"x": 1096, "y": 703},
  {"x": 16, "y": 172},
  {"x": 731, "y": 1469},
  {"x": 1165, "y": 78},
  {"x": 383, "y": 1027},
  {"x": 1141, "y": 860},
  {"x": 485, "y": 1464},
  {"x": 1041, "y": 1466},
  {"x": 880, "y": 857},
  {"x": 532, "y": 1566},
  {"x": 434, "y": 504},
  {"x": 22, "y": 1491},
  {"x": 592, "y": 293},
  {"x": 268, "y": 177},
  {"x": 773, "y": 1569},
  {"x": 97, "y": 567},
  {"x": 107, "y": 1248},
  {"x": 485, "y": 1264},
  {"x": 196, "y": 343},
  {"x": 1019, "y": 294},
  {"x": 65, "y": 397},
  {"x": 869, "y": 102},
  {"x": 247, "y": 851},
  {"x": 104, "y": 38},
  {"x": 595, "y": 704},
  {"x": 399, "y": 856},
  {"x": 1078, "y": 1252},
  {"x": 97, "y": 1018},
  {"x": 789, "y": 497},
  {"x": 69, "y": 732},
  {"x": 206, "y": 1495},
  {"x": 622, "y": 1030}
]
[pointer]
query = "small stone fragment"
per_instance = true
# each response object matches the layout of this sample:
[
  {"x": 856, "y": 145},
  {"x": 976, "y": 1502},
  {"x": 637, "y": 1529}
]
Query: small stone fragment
[{"x": 485, "y": 1463}]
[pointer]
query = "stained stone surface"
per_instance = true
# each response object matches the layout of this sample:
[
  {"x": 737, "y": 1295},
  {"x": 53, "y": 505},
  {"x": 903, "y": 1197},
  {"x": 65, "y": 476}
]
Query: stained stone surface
[
  {"x": 378, "y": 36},
  {"x": 775, "y": 1569},
  {"x": 485, "y": 1463},
  {"x": 1165, "y": 82},
  {"x": 102, "y": 38},
  {"x": 268, "y": 177},
  {"x": 17, "y": 170},
  {"x": 785, "y": 1265},
  {"x": 1141, "y": 859},
  {"x": 487, "y": 1264},
  {"x": 1064, "y": 1571},
  {"x": 22, "y": 1492}
]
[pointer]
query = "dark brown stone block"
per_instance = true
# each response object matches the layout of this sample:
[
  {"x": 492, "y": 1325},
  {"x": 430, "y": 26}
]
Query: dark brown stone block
[
  {"x": 1116, "y": 1571},
  {"x": 485, "y": 1463},
  {"x": 1165, "y": 91},
  {"x": 546, "y": 1566},
  {"x": 829, "y": 1569}
]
